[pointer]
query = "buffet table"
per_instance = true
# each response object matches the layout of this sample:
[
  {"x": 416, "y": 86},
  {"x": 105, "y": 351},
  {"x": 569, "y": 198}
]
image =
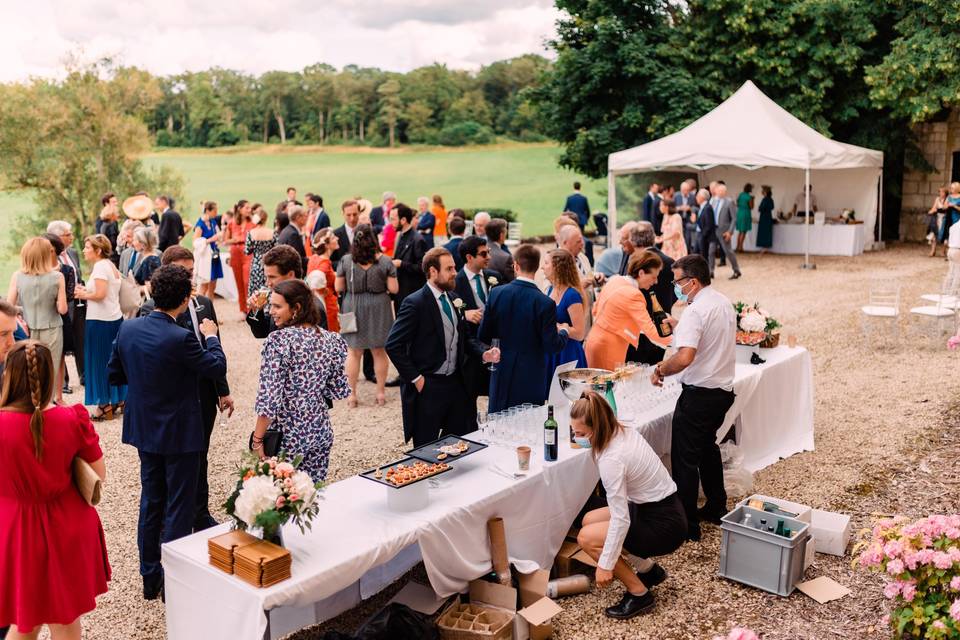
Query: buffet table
[
  {"x": 825, "y": 239},
  {"x": 358, "y": 546}
]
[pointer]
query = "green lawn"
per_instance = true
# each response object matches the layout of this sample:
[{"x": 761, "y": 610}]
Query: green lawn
[{"x": 524, "y": 178}]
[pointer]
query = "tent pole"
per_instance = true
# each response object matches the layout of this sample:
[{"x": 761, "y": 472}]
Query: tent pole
[
  {"x": 611, "y": 208},
  {"x": 880, "y": 243},
  {"x": 806, "y": 204}
]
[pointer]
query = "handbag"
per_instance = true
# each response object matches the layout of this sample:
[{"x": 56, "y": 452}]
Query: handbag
[
  {"x": 129, "y": 296},
  {"x": 348, "y": 319},
  {"x": 87, "y": 481},
  {"x": 272, "y": 439}
]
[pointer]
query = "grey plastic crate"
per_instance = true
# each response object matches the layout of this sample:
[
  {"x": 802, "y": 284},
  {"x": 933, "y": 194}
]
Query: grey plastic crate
[{"x": 759, "y": 558}]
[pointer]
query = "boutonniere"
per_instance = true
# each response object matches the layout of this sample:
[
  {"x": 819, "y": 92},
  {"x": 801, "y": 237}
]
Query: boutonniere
[
  {"x": 492, "y": 281},
  {"x": 458, "y": 304}
]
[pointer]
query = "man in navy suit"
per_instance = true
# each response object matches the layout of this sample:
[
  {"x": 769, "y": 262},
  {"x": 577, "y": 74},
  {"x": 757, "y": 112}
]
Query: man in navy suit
[
  {"x": 162, "y": 363},
  {"x": 651, "y": 207},
  {"x": 525, "y": 321},
  {"x": 457, "y": 227},
  {"x": 577, "y": 203},
  {"x": 430, "y": 344},
  {"x": 707, "y": 223},
  {"x": 473, "y": 285}
]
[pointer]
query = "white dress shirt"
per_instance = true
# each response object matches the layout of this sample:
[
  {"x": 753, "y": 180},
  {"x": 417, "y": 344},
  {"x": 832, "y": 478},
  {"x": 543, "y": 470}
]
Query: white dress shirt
[
  {"x": 631, "y": 472},
  {"x": 709, "y": 325},
  {"x": 472, "y": 281},
  {"x": 451, "y": 349},
  {"x": 350, "y": 232}
]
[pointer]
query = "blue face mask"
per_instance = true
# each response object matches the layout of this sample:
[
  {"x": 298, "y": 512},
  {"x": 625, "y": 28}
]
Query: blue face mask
[
  {"x": 678, "y": 291},
  {"x": 583, "y": 442}
]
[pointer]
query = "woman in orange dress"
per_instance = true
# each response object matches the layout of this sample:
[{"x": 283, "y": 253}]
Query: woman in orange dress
[
  {"x": 235, "y": 237},
  {"x": 620, "y": 313},
  {"x": 324, "y": 243},
  {"x": 439, "y": 212},
  {"x": 672, "y": 231}
]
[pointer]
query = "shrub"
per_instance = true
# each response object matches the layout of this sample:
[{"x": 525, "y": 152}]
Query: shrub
[
  {"x": 464, "y": 133},
  {"x": 168, "y": 139},
  {"x": 507, "y": 214},
  {"x": 222, "y": 136}
]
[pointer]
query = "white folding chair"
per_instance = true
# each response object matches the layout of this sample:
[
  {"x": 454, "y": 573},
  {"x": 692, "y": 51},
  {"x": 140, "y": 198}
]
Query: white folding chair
[
  {"x": 949, "y": 296},
  {"x": 944, "y": 307},
  {"x": 883, "y": 306},
  {"x": 513, "y": 234},
  {"x": 469, "y": 230}
]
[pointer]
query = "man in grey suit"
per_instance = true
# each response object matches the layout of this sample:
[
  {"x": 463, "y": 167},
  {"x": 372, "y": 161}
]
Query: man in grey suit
[
  {"x": 726, "y": 217},
  {"x": 500, "y": 258}
]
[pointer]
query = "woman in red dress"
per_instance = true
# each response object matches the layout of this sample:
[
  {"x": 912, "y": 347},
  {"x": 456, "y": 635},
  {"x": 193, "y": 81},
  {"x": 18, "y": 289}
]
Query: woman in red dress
[
  {"x": 235, "y": 237},
  {"x": 324, "y": 243},
  {"x": 53, "y": 558}
]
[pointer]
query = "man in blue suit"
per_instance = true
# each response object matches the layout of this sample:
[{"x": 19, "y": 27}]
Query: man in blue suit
[
  {"x": 525, "y": 321},
  {"x": 473, "y": 284},
  {"x": 161, "y": 363},
  {"x": 577, "y": 203},
  {"x": 651, "y": 207},
  {"x": 457, "y": 228}
]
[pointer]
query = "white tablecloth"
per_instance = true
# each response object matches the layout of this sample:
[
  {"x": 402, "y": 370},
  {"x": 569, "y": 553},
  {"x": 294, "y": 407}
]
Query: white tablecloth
[
  {"x": 356, "y": 533},
  {"x": 227, "y": 285},
  {"x": 825, "y": 239}
]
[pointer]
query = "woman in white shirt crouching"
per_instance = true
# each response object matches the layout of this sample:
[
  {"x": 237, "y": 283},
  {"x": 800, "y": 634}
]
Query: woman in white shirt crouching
[{"x": 644, "y": 515}]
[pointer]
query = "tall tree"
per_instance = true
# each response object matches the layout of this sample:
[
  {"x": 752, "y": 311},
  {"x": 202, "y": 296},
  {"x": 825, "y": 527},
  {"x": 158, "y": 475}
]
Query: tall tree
[
  {"x": 318, "y": 85},
  {"x": 277, "y": 92},
  {"x": 390, "y": 107}
]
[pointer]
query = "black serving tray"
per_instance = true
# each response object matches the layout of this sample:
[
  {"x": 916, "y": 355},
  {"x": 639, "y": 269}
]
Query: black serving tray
[
  {"x": 429, "y": 453},
  {"x": 369, "y": 474}
]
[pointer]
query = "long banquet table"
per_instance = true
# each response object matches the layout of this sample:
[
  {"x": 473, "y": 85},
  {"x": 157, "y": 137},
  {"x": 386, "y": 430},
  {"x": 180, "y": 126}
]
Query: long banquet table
[
  {"x": 358, "y": 546},
  {"x": 825, "y": 239}
]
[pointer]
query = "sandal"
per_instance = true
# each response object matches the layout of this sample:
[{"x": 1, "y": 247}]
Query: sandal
[{"x": 106, "y": 413}]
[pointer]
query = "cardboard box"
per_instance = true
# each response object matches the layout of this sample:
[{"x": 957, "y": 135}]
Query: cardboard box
[
  {"x": 809, "y": 554},
  {"x": 571, "y": 560},
  {"x": 803, "y": 511},
  {"x": 532, "y": 621},
  {"x": 461, "y": 621},
  {"x": 832, "y": 531}
]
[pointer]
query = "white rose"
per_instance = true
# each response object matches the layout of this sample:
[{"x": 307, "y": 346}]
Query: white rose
[
  {"x": 492, "y": 281},
  {"x": 753, "y": 321},
  {"x": 458, "y": 303},
  {"x": 258, "y": 494},
  {"x": 303, "y": 487}
]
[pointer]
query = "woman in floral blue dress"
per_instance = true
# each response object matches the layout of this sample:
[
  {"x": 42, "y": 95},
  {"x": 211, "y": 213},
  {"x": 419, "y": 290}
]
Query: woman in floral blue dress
[{"x": 301, "y": 366}]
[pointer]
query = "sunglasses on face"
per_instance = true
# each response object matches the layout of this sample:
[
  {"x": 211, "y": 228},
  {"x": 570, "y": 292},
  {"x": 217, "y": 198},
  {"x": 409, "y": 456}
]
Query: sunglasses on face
[{"x": 483, "y": 254}]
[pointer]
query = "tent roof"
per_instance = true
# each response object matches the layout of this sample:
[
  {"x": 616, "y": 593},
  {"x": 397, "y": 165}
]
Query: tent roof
[{"x": 749, "y": 130}]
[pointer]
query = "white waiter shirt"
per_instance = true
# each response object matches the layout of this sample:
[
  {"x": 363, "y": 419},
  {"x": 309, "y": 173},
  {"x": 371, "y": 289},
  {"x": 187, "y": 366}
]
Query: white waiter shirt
[
  {"x": 953, "y": 236},
  {"x": 631, "y": 472},
  {"x": 709, "y": 325}
]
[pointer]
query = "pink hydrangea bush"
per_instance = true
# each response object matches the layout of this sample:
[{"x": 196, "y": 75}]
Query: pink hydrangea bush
[
  {"x": 738, "y": 633},
  {"x": 921, "y": 562}
]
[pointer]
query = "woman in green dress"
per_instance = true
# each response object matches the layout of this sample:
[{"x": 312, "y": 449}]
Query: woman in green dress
[
  {"x": 744, "y": 213},
  {"x": 765, "y": 225}
]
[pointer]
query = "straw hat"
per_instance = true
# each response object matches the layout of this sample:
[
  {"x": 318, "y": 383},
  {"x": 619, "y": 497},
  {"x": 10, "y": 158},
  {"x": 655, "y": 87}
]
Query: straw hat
[{"x": 138, "y": 207}]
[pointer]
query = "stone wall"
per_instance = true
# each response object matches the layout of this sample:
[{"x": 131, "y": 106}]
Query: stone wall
[{"x": 937, "y": 141}]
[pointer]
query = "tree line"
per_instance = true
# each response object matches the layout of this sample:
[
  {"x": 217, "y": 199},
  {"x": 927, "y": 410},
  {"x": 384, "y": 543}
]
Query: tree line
[{"x": 355, "y": 105}]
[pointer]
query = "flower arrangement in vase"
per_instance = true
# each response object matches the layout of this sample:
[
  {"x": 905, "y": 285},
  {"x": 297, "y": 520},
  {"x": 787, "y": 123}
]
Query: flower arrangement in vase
[
  {"x": 921, "y": 562},
  {"x": 271, "y": 492},
  {"x": 756, "y": 327}
]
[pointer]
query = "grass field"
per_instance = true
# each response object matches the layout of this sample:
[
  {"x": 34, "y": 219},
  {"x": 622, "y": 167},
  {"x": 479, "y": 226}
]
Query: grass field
[{"x": 524, "y": 178}]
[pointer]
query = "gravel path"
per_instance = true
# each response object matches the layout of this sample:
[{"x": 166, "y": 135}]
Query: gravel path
[{"x": 876, "y": 411}]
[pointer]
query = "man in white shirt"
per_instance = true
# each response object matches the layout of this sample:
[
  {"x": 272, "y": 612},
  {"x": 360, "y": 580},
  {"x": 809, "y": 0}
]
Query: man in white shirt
[
  {"x": 800, "y": 203},
  {"x": 705, "y": 360}
]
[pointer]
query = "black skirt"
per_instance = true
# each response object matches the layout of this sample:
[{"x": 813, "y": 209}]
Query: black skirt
[{"x": 656, "y": 528}]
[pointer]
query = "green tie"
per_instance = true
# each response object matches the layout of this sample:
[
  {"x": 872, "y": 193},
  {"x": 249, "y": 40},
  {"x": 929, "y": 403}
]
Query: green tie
[
  {"x": 446, "y": 308},
  {"x": 480, "y": 293}
]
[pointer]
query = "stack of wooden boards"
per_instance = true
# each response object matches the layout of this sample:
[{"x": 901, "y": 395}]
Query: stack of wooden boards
[{"x": 251, "y": 559}]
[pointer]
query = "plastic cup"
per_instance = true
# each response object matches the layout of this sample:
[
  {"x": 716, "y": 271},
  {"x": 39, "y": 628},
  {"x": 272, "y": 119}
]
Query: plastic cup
[
  {"x": 523, "y": 458},
  {"x": 792, "y": 341}
]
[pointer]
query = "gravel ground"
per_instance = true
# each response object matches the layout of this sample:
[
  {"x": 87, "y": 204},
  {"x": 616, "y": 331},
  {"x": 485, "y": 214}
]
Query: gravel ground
[{"x": 880, "y": 411}]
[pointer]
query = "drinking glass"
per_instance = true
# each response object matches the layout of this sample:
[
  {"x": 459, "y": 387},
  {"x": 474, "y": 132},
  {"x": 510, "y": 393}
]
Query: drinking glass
[
  {"x": 494, "y": 344},
  {"x": 482, "y": 424}
]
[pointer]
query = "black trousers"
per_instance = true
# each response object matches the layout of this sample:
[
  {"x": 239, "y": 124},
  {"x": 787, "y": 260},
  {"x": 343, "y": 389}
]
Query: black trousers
[
  {"x": 168, "y": 498},
  {"x": 694, "y": 454},
  {"x": 442, "y": 408},
  {"x": 368, "y": 371},
  {"x": 78, "y": 324},
  {"x": 209, "y": 401}
]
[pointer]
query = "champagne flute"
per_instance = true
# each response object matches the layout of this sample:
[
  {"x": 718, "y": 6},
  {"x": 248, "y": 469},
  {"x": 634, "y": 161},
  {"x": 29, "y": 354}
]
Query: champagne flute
[{"x": 494, "y": 344}]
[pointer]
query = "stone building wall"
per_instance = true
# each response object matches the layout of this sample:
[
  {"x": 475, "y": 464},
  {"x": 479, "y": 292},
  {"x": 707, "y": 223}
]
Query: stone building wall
[{"x": 937, "y": 141}]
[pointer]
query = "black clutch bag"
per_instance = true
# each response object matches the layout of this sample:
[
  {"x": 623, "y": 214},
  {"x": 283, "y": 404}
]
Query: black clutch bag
[{"x": 272, "y": 440}]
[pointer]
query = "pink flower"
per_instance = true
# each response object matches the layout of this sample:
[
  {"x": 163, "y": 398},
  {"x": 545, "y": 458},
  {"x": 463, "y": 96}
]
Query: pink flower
[
  {"x": 739, "y": 633},
  {"x": 938, "y": 625},
  {"x": 953, "y": 342},
  {"x": 895, "y": 567},
  {"x": 955, "y": 583},
  {"x": 891, "y": 590},
  {"x": 909, "y": 591},
  {"x": 294, "y": 497},
  {"x": 893, "y": 549},
  {"x": 284, "y": 469},
  {"x": 955, "y": 610},
  {"x": 885, "y": 620},
  {"x": 280, "y": 502},
  {"x": 911, "y": 559},
  {"x": 942, "y": 560}
]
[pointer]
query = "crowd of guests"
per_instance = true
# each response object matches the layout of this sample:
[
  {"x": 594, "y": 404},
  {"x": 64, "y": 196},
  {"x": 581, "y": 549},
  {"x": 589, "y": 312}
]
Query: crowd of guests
[{"x": 458, "y": 313}]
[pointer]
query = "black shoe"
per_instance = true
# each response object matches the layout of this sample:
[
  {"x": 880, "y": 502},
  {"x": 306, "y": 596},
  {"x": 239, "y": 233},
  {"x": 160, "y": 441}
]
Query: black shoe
[
  {"x": 67, "y": 389},
  {"x": 394, "y": 383},
  {"x": 708, "y": 516},
  {"x": 153, "y": 587},
  {"x": 630, "y": 606},
  {"x": 652, "y": 578},
  {"x": 736, "y": 274},
  {"x": 723, "y": 263},
  {"x": 83, "y": 382}
]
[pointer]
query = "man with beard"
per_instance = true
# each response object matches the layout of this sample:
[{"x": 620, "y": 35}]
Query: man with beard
[{"x": 430, "y": 345}]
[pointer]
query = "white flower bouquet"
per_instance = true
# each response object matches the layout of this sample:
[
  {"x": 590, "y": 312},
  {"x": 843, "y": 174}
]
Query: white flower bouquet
[{"x": 755, "y": 326}]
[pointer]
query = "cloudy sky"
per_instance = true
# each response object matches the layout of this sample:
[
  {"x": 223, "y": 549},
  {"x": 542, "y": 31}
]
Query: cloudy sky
[{"x": 170, "y": 36}]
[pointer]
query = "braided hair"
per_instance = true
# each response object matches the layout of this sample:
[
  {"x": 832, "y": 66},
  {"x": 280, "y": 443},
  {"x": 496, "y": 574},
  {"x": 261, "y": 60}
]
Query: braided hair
[{"x": 28, "y": 385}]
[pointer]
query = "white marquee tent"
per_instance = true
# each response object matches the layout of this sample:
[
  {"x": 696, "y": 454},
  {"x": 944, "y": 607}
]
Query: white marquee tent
[{"x": 750, "y": 138}]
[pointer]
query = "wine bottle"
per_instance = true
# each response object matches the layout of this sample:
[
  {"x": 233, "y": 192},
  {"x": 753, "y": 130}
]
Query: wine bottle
[
  {"x": 779, "y": 527},
  {"x": 550, "y": 437},
  {"x": 660, "y": 317}
]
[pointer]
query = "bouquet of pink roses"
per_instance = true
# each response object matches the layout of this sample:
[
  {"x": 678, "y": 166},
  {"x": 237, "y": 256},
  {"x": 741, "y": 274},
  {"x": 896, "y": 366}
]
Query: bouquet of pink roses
[
  {"x": 271, "y": 492},
  {"x": 921, "y": 561}
]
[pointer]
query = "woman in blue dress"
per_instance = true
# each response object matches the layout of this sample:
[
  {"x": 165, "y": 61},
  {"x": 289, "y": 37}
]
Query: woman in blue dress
[
  {"x": 561, "y": 271},
  {"x": 208, "y": 229}
]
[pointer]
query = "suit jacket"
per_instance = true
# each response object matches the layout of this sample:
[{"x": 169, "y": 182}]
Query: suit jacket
[
  {"x": 170, "y": 231},
  {"x": 577, "y": 203},
  {"x": 410, "y": 250},
  {"x": 75, "y": 263},
  {"x": 664, "y": 286},
  {"x": 453, "y": 246},
  {"x": 291, "y": 236},
  {"x": 425, "y": 227},
  {"x": 651, "y": 211},
  {"x": 726, "y": 216},
  {"x": 343, "y": 249},
  {"x": 415, "y": 346},
  {"x": 378, "y": 219},
  {"x": 320, "y": 221},
  {"x": 475, "y": 374},
  {"x": 501, "y": 261},
  {"x": 707, "y": 220},
  {"x": 162, "y": 363},
  {"x": 205, "y": 310},
  {"x": 525, "y": 321}
]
